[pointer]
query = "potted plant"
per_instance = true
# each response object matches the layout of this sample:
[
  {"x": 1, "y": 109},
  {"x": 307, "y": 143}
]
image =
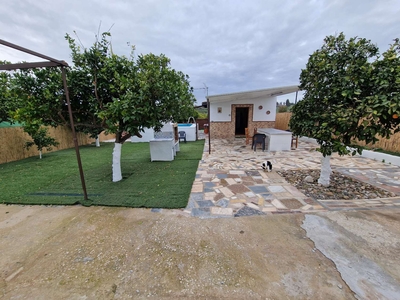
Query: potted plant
[{"x": 206, "y": 128}]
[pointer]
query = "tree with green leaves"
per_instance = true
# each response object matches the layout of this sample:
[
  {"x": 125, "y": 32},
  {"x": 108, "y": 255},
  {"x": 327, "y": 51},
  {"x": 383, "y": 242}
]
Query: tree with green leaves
[
  {"x": 40, "y": 95},
  {"x": 7, "y": 103},
  {"x": 350, "y": 93},
  {"x": 282, "y": 109},
  {"x": 118, "y": 94},
  {"x": 127, "y": 94},
  {"x": 40, "y": 138}
]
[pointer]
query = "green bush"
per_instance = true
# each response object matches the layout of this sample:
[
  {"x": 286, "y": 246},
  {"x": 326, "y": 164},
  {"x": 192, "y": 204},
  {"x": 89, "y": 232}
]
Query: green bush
[{"x": 282, "y": 109}]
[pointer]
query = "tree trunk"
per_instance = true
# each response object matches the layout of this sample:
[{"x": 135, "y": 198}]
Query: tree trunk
[
  {"x": 116, "y": 163},
  {"x": 120, "y": 138},
  {"x": 326, "y": 171},
  {"x": 40, "y": 154},
  {"x": 97, "y": 141}
]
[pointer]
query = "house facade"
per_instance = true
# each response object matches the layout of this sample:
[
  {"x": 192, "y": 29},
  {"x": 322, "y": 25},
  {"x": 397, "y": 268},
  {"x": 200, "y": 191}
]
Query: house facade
[{"x": 230, "y": 114}]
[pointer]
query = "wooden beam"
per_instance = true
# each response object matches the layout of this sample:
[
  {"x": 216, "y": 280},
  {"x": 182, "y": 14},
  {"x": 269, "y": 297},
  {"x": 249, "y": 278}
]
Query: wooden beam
[
  {"x": 19, "y": 48},
  {"x": 28, "y": 65}
]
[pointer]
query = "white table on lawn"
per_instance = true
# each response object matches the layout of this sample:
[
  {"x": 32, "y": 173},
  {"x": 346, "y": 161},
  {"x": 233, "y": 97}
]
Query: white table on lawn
[
  {"x": 162, "y": 149},
  {"x": 278, "y": 139}
]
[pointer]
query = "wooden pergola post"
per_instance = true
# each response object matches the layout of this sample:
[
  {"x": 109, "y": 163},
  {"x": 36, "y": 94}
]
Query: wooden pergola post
[{"x": 46, "y": 64}]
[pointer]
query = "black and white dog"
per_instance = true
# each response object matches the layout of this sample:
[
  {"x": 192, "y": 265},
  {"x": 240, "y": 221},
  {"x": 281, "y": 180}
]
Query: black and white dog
[{"x": 267, "y": 166}]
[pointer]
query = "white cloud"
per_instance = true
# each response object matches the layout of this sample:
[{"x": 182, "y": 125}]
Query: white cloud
[{"x": 229, "y": 45}]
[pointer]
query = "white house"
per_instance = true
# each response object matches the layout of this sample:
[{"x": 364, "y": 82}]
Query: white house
[{"x": 230, "y": 114}]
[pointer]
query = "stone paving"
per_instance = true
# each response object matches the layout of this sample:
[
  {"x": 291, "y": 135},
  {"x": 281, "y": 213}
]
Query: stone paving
[{"x": 231, "y": 183}]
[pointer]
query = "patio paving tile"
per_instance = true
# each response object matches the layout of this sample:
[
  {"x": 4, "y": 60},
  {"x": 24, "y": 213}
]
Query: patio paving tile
[
  {"x": 205, "y": 203},
  {"x": 248, "y": 211},
  {"x": 269, "y": 209},
  {"x": 291, "y": 203},
  {"x": 237, "y": 201},
  {"x": 249, "y": 194},
  {"x": 307, "y": 207},
  {"x": 220, "y": 176},
  {"x": 253, "y": 173},
  {"x": 283, "y": 195},
  {"x": 276, "y": 189},
  {"x": 231, "y": 181},
  {"x": 227, "y": 192},
  {"x": 191, "y": 204},
  {"x": 200, "y": 212},
  {"x": 221, "y": 211},
  {"x": 218, "y": 196},
  {"x": 223, "y": 202},
  {"x": 278, "y": 204},
  {"x": 236, "y": 205},
  {"x": 236, "y": 172},
  {"x": 231, "y": 177},
  {"x": 294, "y": 191},
  {"x": 196, "y": 196},
  {"x": 238, "y": 188},
  {"x": 257, "y": 189},
  {"x": 267, "y": 195},
  {"x": 197, "y": 188},
  {"x": 209, "y": 196},
  {"x": 209, "y": 184}
]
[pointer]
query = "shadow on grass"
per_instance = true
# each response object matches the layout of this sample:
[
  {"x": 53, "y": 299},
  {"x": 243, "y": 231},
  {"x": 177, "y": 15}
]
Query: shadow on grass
[{"x": 55, "y": 180}]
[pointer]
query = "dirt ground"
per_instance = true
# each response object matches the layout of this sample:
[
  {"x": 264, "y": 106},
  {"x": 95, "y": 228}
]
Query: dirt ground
[{"x": 122, "y": 253}]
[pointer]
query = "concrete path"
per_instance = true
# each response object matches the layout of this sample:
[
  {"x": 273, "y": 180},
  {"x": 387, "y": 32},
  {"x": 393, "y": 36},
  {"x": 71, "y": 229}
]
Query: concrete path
[
  {"x": 231, "y": 183},
  {"x": 75, "y": 252},
  {"x": 363, "y": 274}
]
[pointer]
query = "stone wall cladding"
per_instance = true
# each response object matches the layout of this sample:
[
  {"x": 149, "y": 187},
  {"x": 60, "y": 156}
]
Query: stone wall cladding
[
  {"x": 222, "y": 130},
  {"x": 226, "y": 130},
  {"x": 267, "y": 124}
]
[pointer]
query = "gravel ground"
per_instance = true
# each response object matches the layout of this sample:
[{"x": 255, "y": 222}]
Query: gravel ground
[
  {"x": 341, "y": 186},
  {"x": 121, "y": 253}
]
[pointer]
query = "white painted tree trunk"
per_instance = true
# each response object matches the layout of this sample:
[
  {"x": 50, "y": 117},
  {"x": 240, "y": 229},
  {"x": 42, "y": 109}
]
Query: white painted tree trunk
[
  {"x": 116, "y": 164},
  {"x": 326, "y": 170},
  {"x": 40, "y": 154},
  {"x": 97, "y": 141}
]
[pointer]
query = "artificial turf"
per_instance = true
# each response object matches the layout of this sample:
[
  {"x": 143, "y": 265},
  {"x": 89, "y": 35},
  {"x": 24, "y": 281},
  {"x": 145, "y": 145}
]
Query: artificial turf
[{"x": 54, "y": 180}]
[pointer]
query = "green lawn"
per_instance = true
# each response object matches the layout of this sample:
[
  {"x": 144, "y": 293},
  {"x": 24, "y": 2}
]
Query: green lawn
[{"x": 54, "y": 180}]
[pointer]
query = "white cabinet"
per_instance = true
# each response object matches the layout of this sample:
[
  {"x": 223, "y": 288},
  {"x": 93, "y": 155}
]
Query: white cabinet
[
  {"x": 278, "y": 139},
  {"x": 162, "y": 149}
]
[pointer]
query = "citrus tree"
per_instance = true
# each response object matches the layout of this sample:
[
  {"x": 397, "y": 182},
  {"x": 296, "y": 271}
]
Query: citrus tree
[
  {"x": 40, "y": 138},
  {"x": 351, "y": 92},
  {"x": 118, "y": 94},
  {"x": 7, "y": 105}
]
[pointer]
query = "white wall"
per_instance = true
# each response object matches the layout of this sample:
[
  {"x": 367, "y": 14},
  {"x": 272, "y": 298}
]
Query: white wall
[
  {"x": 147, "y": 135},
  {"x": 258, "y": 115},
  {"x": 387, "y": 158},
  {"x": 224, "y": 116},
  {"x": 168, "y": 127},
  {"x": 190, "y": 132},
  {"x": 267, "y": 105}
]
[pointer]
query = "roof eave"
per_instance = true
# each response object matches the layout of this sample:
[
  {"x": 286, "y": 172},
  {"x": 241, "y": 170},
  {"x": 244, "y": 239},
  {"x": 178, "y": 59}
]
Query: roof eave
[{"x": 255, "y": 94}]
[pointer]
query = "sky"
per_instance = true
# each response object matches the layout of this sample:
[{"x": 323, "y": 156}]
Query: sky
[{"x": 224, "y": 46}]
